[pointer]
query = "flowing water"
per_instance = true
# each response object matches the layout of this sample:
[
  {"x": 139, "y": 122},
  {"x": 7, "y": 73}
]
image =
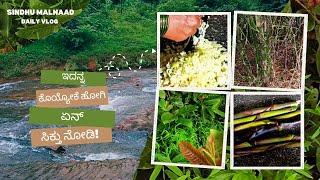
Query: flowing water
[{"x": 129, "y": 95}]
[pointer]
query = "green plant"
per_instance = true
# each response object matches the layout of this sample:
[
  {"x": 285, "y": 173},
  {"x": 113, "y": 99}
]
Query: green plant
[
  {"x": 77, "y": 39},
  {"x": 187, "y": 117},
  {"x": 17, "y": 34}
]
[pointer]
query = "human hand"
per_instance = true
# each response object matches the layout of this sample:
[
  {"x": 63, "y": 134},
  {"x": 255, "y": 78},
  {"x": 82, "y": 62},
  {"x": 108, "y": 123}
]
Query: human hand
[{"x": 180, "y": 27}]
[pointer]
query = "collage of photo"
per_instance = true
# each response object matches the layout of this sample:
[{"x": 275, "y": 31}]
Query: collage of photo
[{"x": 219, "y": 81}]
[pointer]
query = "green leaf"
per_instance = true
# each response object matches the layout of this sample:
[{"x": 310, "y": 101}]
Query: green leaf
[
  {"x": 56, "y": 5},
  {"x": 292, "y": 177},
  {"x": 38, "y": 31},
  {"x": 244, "y": 176},
  {"x": 312, "y": 98},
  {"x": 178, "y": 103},
  {"x": 37, "y": 4},
  {"x": 155, "y": 172},
  {"x": 214, "y": 172},
  {"x": 304, "y": 173},
  {"x": 317, "y": 10},
  {"x": 287, "y": 8},
  {"x": 183, "y": 177},
  {"x": 5, "y": 21},
  {"x": 162, "y": 103},
  {"x": 280, "y": 175},
  {"x": 78, "y": 4},
  {"x": 178, "y": 158},
  {"x": 311, "y": 23},
  {"x": 162, "y": 94},
  {"x": 318, "y": 60},
  {"x": 185, "y": 122},
  {"x": 223, "y": 175},
  {"x": 66, "y": 18},
  {"x": 197, "y": 172},
  {"x": 220, "y": 113},
  {"x": 145, "y": 157},
  {"x": 176, "y": 170},
  {"x": 316, "y": 134},
  {"x": 162, "y": 158},
  {"x": 318, "y": 158},
  {"x": 167, "y": 117},
  {"x": 171, "y": 175},
  {"x": 213, "y": 102}
]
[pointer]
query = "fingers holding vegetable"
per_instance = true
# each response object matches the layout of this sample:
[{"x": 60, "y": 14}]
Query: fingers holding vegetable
[{"x": 180, "y": 27}]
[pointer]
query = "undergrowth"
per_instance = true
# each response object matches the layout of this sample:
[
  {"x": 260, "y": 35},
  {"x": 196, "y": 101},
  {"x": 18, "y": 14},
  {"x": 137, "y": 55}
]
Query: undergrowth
[
  {"x": 269, "y": 51},
  {"x": 187, "y": 117}
]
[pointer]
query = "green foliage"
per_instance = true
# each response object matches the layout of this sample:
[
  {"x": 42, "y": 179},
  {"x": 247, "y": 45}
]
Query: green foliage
[
  {"x": 231, "y": 5},
  {"x": 16, "y": 33},
  {"x": 100, "y": 31},
  {"x": 128, "y": 28},
  {"x": 177, "y": 6},
  {"x": 186, "y": 117},
  {"x": 76, "y": 39}
]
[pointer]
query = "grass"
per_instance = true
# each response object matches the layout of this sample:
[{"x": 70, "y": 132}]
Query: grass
[{"x": 269, "y": 51}]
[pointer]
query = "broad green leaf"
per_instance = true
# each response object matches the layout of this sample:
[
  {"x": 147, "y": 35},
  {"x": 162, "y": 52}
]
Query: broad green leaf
[
  {"x": 5, "y": 21},
  {"x": 213, "y": 102},
  {"x": 287, "y": 8},
  {"x": 56, "y": 5},
  {"x": 176, "y": 170},
  {"x": 214, "y": 172},
  {"x": 64, "y": 19},
  {"x": 37, "y": 4},
  {"x": 222, "y": 175},
  {"x": 38, "y": 31},
  {"x": 162, "y": 103},
  {"x": 311, "y": 23},
  {"x": 162, "y": 94},
  {"x": 185, "y": 122},
  {"x": 243, "y": 176},
  {"x": 167, "y": 117},
  {"x": 155, "y": 172}
]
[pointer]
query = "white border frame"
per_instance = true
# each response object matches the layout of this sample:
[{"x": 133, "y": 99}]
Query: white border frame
[
  {"x": 301, "y": 131},
  {"x": 304, "y": 50},
  {"x": 229, "y": 50},
  {"x": 225, "y": 131}
]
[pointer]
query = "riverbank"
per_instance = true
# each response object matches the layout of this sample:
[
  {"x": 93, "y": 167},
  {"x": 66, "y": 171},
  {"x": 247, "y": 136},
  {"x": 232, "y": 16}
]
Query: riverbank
[{"x": 132, "y": 97}]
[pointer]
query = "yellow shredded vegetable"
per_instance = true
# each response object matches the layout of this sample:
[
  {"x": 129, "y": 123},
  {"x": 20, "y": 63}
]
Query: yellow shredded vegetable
[{"x": 204, "y": 67}]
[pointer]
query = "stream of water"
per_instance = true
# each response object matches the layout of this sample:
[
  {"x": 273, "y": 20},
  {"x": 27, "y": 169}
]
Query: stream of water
[{"x": 128, "y": 95}]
